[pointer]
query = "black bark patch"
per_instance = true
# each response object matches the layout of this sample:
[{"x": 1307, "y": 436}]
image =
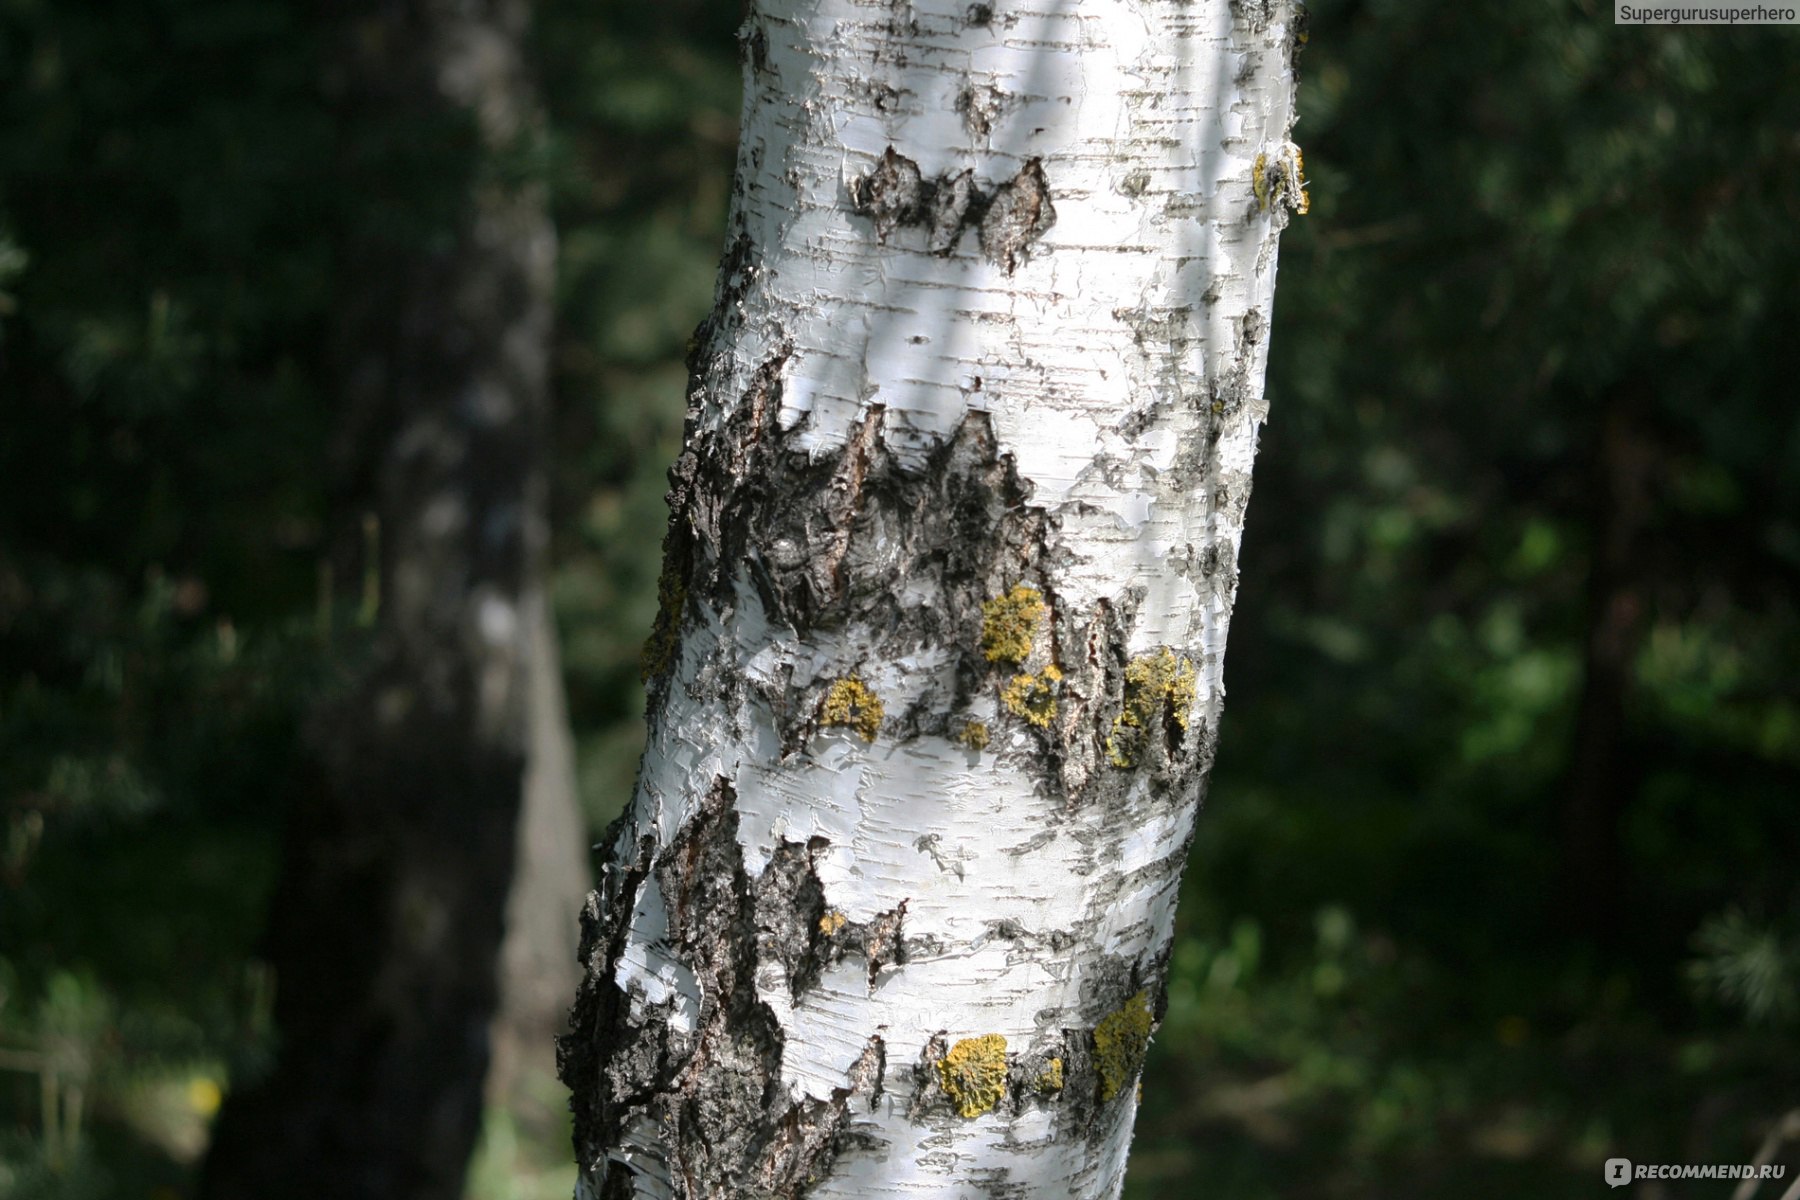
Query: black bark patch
[
  {"x": 883, "y": 942},
  {"x": 716, "y": 1097},
  {"x": 738, "y": 269},
  {"x": 790, "y": 913},
  {"x": 891, "y": 195},
  {"x": 855, "y": 538},
  {"x": 808, "y": 1136},
  {"x": 951, "y": 203},
  {"x": 1255, "y": 14},
  {"x": 1038, "y": 1075},
  {"x": 997, "y": 1183},
  {"x": 1093, "y": 650},
  {"x": 1009, "y": 218},
  {"x": 756, "y": 48},
  {"x": 602, "y": 1085},
  {"x": 1018, "y": 215},
  {"x": 658, "y": 655},
  {"x": 928, "y": 1084},
  {"x": 979, "y": 105}
]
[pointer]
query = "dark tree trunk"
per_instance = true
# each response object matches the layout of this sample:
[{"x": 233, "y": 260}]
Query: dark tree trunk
[
  {"x": 388, "y": 924},
  {"x": 1601, "y": 779}
]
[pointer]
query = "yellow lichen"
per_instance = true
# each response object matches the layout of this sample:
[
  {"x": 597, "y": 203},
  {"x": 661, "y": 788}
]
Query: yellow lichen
[
  {"x": 1008, "y": 624},
  {"x": 974, "y": 1074},
  {"x": 1050, "y": 1079},
  {"x": 831, "y": 922},
  {"x": 850, "y": 703},
  {"x": 665, "y": 634},
  {"x": 974, "y": 735},
  {"x": 1119, "y": 1043},
  {"x": 1282, "y": 179},
  {"x": 1158, "y": 683},
  {"x": 1033, "y": 696}
]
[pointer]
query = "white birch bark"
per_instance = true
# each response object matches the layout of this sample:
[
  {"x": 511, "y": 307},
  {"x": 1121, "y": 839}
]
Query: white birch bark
[{"x": 969, "y": 444}]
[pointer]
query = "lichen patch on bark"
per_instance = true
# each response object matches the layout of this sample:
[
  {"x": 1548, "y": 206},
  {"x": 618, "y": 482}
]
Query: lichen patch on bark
[
  {"x": 973, "y": 1074},
  {"x": 1278, "y": 181},
  {"x": 974, "y": 735},
  {"x": 1032, "y": 695},
  {"x": 1159, "y": 696},
  {"x": 850, "y": 703},
  {"x": 1010, "y": 623},
  {"x": 1120, "y": 1040}
]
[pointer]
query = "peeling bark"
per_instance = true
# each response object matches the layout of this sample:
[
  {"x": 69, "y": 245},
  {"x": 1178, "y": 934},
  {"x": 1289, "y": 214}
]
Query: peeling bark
[{"x": 952, "y": 549}]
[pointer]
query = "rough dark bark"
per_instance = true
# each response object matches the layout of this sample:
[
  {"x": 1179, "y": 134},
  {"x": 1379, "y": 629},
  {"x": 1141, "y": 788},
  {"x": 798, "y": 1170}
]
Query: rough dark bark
[
  {"x": 388, "y": 922},
  {"x": 859, "y": 527}
]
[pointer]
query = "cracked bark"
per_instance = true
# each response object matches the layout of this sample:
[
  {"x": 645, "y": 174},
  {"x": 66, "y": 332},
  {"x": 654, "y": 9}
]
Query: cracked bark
[{"x": 890, "y": 911}]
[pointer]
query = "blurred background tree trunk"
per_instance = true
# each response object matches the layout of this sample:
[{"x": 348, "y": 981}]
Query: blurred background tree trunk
[
  {"x": 551, "y": 878},
  {"x": 412, "y": 881},
  {"x": 1602, "y": 775}
]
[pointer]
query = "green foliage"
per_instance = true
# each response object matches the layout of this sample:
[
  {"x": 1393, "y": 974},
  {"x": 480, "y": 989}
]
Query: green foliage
[
  {"x": 642, "y": 106},
  {"x": 1749, "y": 966},
  {"x": 1523, "y": 220},
  {"x": 510, "y": 1164},
  {"x": 182, "y": 218}
]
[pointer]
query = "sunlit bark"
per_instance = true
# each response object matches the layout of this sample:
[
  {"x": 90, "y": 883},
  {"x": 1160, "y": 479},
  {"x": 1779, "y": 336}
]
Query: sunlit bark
[{"x": 953, "y": 542}]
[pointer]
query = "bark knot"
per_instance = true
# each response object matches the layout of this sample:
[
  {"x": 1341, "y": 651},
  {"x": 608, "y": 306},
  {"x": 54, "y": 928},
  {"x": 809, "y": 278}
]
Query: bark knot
[{"x": 1009, "y": 219}]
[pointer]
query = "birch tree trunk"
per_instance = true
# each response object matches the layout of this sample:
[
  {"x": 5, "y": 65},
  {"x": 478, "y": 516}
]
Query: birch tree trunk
[{"x": 936, "y": 683}]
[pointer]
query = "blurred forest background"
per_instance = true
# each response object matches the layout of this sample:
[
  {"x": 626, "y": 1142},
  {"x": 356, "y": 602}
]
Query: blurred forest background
[{"x": 1498, "y": 873}]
